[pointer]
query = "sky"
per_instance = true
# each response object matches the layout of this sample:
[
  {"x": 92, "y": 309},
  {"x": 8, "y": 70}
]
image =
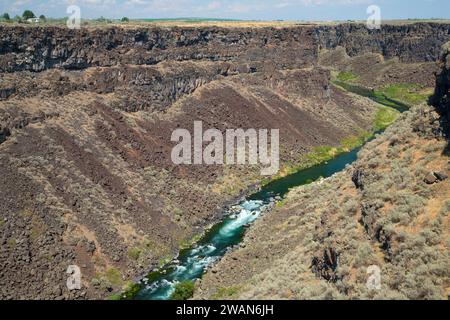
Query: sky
[{"x": 235, "y": 9}]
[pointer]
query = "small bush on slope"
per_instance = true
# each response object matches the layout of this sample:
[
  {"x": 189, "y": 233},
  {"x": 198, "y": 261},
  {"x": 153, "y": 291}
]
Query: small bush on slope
[{"x": 183, "y": 291}]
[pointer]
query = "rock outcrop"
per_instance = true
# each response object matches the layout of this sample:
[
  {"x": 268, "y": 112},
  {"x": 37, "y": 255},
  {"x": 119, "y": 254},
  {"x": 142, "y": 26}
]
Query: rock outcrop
[
  {"x": 441, "y": 99},
  {"x": 38, "y": 49},
  {"x": 415, "y": 42}
]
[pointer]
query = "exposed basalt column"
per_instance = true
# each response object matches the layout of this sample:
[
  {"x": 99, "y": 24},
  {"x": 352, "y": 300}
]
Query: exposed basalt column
[
  {"x": 38, "y": 49},
  {"x": 357, "y": 179},
  {"x": 441, "y": 98},
  {"x": 150, "y": 89},
  {"x": 417, "y": 42},
  {"x": 5, "y": 93},
  {"x": 326, "y": 266},
  {"x": 4, "y": 134}
]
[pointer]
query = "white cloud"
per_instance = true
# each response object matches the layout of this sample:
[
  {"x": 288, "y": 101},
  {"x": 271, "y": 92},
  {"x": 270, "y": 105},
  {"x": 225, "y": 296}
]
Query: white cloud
[
  {"x": 319, "y": 3},
  {"x": 136, "y": 2},
  {"x": 212, "y": 6},
  {"x": 283, "y": 5},
  {"x": 333, "y": 2}
]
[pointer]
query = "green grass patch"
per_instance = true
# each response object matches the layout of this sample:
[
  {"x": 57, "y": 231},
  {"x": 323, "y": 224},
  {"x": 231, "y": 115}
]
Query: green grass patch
[
  {"x": 129, "y": 293},
  {"x": 114, "y": 276},
  {"x": 375, "y": 95},
  {"x": 115, "y": 297},
  {"x": 326, "y": 153},
  {"x": 316, "y": 156},
  {"x": 400, "y": 96},
  {"x": 225, "y": 293},
  {"x": 346, "y": 76},
  {"x": 281, "y": 203},
  {"x": 409, "y": 93},
  {"x": 187, "y": 243},
  {"x": 384, "y": 117},
  {"x": 163, "y": 261},
  {"x": 320, "y": 155},
  {"x": 134, "y": 253},
  {"x": 183, "y": 291},
  {"x": 353, "y": 142}
]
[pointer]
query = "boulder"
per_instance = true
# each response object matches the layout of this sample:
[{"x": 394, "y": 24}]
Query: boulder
[
  {"x": 357, "y": 179},
  {"x": 441, "y": 176},
  {"x": 434, "y": 177},
  {"x": 326, "y": 266},
  {"x": 430, "y": 178}
]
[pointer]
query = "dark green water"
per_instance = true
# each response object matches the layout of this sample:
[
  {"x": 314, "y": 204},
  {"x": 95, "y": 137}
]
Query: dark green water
[
  {"x": 192, "y": 262},
  {"x": 281, "y": 186},
  {"x": 375, "y": 96}
]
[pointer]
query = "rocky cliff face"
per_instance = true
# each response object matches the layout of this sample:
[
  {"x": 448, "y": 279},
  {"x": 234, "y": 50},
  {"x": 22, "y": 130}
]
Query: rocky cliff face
[
  {"x": 147, "y": 68},
  {"x": 38, "y": 49},
  {"x": 441, "y": 99},
  {"x": 416, "y": 42}
]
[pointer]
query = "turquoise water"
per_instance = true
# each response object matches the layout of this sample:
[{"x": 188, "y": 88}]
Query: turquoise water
[{"x": 193, "y": 262}]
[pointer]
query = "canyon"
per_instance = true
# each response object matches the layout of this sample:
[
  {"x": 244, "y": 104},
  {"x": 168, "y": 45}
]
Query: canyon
[{"x": 86, "y": 119}]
